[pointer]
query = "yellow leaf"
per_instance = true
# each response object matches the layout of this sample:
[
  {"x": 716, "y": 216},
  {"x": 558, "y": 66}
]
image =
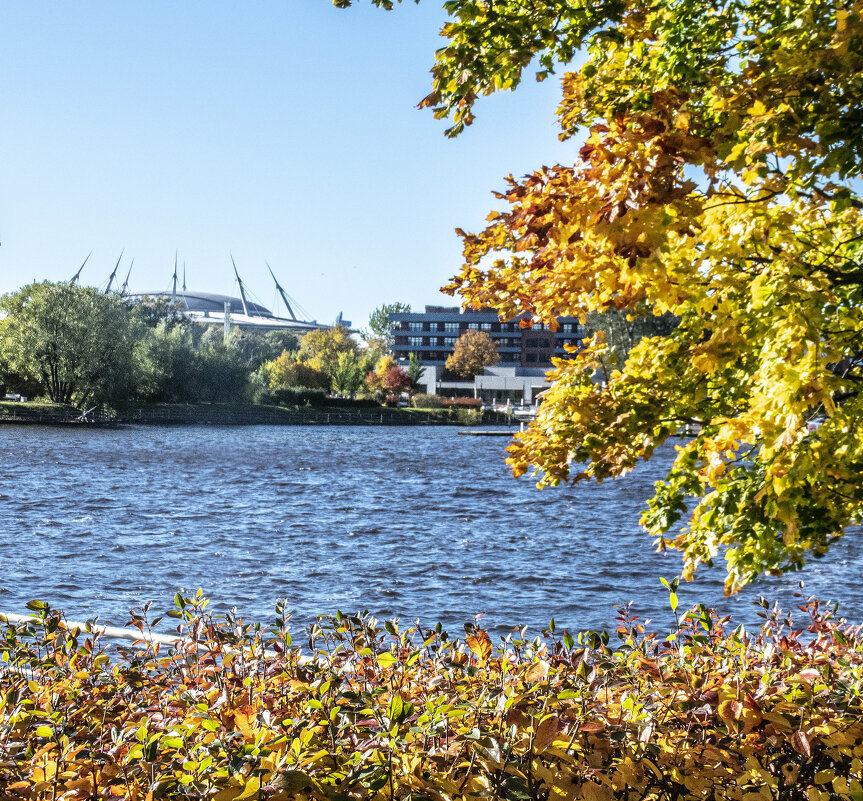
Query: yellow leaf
[{"x": 251, "y": 788}]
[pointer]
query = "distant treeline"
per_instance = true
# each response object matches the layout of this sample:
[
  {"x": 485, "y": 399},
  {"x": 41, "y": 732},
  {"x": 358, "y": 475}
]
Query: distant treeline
[{"x": 77, "y": 345}]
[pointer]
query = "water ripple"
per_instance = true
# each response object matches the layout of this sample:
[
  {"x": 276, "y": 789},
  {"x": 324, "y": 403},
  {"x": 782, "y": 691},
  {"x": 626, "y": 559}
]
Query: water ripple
[{"x": 418, "y": 523}]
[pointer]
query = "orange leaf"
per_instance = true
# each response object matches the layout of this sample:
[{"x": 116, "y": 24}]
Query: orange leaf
[
  {"x": 480, "y": 644},
  {"x": 729, "y": 712},
  {"x": 244, "y": 718},
  {"x": 537, "y": 671}
]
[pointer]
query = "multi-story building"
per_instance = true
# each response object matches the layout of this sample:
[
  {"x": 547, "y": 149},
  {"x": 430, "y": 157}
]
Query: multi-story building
[
  {"x": 525, "y": 353},
  {"x": 432, "y": 334}
]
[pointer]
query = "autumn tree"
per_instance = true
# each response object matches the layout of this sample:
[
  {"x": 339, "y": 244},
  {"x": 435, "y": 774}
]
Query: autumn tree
[
  {"x": 473, "y": 352},
  {"x": 321, "y": 348},
  {"x": 718, "y": 182},
  {"x": 288, "y": 372},
  {"x": 388, "y": 378},
  {"x": 621, "y": 332}
]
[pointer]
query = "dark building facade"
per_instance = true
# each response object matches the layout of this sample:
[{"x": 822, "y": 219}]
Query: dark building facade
[{"x": 432, "y": 334}]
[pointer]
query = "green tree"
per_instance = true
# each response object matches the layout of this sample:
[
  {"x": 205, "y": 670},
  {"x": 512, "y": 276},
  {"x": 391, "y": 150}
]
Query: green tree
[
  {"x": 379, "y": 334},
  {"x": 348, "y": 375},
  {"x": 154, "y": 310},
  {"x": 76, "y": 341},
  {"x": 259, "y": 347},
  {"x": 718, "y": 182},
  {"x": 472, "y": 353},
  {"x": 166, "y": 366},
  {"x": 416, "y": 369}
]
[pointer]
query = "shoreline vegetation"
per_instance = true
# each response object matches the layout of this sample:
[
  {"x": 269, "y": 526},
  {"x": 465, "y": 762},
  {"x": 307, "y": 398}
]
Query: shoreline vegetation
[
  {"x": 37, "y": 413},
  {"x": 372, "y": 710}
]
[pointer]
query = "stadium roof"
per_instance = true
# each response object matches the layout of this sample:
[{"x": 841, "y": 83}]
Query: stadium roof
[{"x": 208, "y": 302}]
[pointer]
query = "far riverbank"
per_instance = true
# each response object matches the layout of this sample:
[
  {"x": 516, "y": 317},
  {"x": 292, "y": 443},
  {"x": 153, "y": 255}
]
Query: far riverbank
[{"x": 245, "y": 414}]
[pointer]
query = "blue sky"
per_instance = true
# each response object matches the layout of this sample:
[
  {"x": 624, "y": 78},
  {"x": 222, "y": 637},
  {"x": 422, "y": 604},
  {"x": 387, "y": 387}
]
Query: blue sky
[{"x": 281, "y": 130}]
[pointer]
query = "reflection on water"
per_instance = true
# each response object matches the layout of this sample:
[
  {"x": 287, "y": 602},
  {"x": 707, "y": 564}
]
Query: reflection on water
[{"x": 402, "y": 522}]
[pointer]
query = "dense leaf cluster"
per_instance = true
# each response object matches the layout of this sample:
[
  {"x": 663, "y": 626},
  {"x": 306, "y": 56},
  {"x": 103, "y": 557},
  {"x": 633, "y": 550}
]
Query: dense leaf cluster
[
  {"x": 718, "y": 185},
  {"x": 371, "y": 711}
]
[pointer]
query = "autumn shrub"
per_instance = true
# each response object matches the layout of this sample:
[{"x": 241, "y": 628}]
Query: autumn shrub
[
  {"x": 423, "y": 401},
  {"x": 377, "y": 711},
  {"x": 464, "y": 403}
]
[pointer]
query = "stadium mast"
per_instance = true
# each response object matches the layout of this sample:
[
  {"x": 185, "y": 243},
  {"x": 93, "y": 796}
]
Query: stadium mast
[
  {"x": 78, "y": 274},
  {"x": 282, "y": 292},
  {"x": 126, "y": 282},
  {"x": 174, "y": 282},
  {"x": 114, "y": 272},
  {"x": 242, "y": 288}
]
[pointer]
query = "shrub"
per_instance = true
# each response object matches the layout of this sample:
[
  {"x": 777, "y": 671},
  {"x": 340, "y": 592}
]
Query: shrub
[
  {"x": 373, "y": 713},
  {"x": 294, "y": 396},
  {"x": 351, "y": 403},
  {"x": 463, "y": 403},
  {"x": 468, "y": 417},
  {"x": 423, "y": 401}
]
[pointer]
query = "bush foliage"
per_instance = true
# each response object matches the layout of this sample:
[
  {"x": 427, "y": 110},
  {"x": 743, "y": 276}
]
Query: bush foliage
[
  {"x": 374, "y": 711},
  {"x": 423, "y": 401},
  {"x": 463, "y": 403}
]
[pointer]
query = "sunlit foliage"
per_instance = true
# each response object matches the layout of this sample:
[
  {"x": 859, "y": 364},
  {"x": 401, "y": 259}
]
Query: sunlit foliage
[
  {"x": 384, "y": 712},
  {"x": 718, "y": 182},
  {"x": 288, "y": 371},
  {"x": 321, "y": 348},
  {"x": 472, "y": 352},
  {"x": 388, "y": 378}
]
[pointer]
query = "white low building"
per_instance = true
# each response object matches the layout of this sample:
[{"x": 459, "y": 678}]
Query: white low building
[{"x": 499, "y": 384}]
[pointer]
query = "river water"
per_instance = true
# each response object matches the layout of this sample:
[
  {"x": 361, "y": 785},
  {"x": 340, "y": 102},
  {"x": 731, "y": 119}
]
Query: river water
[{"x": 403, "y": 522}]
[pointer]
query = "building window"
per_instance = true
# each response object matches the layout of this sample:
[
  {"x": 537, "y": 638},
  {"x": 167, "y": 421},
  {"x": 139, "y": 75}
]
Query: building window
[
  {"x": 453, "y": 327},
  {"x": 485, "y": 326},
  {"x": 415, "y": 326},
  {"x": 473, "y": 326},
  {"x": 415, "y": 342},
  {"x": 449, "y": 341}
]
